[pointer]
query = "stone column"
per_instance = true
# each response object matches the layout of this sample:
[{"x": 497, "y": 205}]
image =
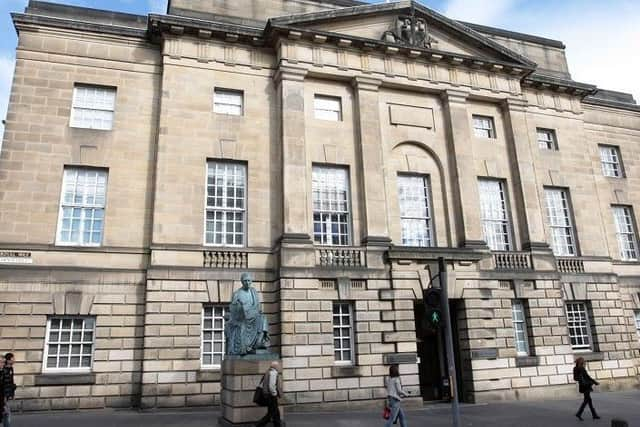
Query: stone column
[
  {"x": 524, "y": 177},
  {"x": 290, "y": 88},
  {"x": 375, "y": 230},
  {"x": 464, "y": 180}
]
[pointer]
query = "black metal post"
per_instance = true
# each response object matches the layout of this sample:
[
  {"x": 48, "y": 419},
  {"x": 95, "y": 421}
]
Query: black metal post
[{"x": 448, "y": 336}]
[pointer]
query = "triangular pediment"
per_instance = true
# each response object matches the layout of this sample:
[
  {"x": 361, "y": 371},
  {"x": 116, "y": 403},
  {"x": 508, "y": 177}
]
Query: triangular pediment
[{"x": 406, "y": 24}]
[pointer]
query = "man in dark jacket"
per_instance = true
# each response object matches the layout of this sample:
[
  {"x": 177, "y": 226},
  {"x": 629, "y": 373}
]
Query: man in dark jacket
[
  {"x": 7, "y": 388},
  {"x": 271, "y": 389}
]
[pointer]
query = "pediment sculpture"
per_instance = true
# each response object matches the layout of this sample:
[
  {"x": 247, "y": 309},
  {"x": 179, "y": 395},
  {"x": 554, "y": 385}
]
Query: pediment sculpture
[{"x": 410, "y": 31}]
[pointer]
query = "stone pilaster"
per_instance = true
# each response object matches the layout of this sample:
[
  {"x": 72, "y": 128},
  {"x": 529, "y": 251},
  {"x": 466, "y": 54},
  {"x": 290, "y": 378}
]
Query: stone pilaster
[
  {"x": 524, "y": 177},
  {"x": 375, "y": 227},
  {"x": 464, "y": 180}
]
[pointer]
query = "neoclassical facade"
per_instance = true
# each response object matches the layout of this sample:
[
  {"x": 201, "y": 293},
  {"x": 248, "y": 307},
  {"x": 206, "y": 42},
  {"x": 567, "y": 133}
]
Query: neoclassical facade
[{"x": 335, "y": 150}]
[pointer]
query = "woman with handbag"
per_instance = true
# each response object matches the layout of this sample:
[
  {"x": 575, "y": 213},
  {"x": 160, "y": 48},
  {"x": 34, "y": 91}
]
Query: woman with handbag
[
  {"x": 585, "y": 386},
  {"x": 395, "y": 393}
]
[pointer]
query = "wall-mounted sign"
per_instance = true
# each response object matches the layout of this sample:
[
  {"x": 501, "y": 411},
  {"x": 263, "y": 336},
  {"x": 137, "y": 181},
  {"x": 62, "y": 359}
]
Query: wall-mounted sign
[{"x": 11, "y": 257}]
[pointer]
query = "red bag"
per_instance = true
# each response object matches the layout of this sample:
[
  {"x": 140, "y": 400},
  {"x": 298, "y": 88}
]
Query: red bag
[{"x": 386, "y": 412}]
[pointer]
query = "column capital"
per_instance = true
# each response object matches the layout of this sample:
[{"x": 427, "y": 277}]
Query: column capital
[
  {"x": 515, "y": 104},
  {"x": 289, "y": 73},
  {"x": 454, "y": 96},
  {"x": 366, "y": 83}
]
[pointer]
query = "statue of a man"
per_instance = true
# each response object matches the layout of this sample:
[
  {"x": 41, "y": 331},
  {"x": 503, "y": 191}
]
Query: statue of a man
[{"x": 247, "y": 329}]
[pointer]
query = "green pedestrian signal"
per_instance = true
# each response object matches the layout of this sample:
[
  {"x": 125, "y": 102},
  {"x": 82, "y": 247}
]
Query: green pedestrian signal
[{"x": 432, "y": 305}]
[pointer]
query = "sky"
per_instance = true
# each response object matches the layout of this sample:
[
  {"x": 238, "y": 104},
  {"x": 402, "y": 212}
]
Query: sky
[{"x": 602, "y": 37}]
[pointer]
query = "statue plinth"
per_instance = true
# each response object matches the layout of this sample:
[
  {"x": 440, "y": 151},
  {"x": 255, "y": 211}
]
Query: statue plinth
[{"x": 240, "y": 377}]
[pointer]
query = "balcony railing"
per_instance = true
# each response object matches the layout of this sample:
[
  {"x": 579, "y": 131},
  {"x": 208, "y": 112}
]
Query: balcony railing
[
  {"x": 570, "y": 265},
  {"x": 340, "y": 257},
  {"x": 512, "y": 260},
  {"x": 225, "y": 259}
]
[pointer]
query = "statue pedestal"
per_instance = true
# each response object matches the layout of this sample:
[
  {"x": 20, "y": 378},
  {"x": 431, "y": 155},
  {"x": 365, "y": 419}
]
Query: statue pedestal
[{"x": 240, "y": 377}]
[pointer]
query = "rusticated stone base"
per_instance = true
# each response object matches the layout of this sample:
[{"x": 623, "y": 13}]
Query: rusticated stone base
[{"x": 240, "y": 377}]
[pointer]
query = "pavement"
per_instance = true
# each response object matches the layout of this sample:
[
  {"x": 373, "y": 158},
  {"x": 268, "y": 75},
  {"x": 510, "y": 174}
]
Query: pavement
[{"x": 552, "y": 413}]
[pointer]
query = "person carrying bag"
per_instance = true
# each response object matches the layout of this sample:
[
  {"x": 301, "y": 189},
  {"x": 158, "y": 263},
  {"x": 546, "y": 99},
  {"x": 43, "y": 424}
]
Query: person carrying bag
[
  {"x": 585, "y": 386},
  {"x": 393, "y": 412}
]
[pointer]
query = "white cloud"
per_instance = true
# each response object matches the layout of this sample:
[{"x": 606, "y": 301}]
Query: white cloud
[
  {"x": 7, "y": 65},
  {"x": 157, "y": 6}
]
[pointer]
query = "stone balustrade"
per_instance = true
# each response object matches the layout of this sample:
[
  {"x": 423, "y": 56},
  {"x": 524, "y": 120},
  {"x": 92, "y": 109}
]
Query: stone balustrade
[
  {"x": 512, "y": 260},
  {"x": 340, "y": 257},
  {"x": 225, "y": 259},
  {"x": 570, "y": 265}
]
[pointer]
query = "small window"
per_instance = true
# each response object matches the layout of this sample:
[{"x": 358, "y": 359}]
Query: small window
[
  {"x": 213, "y": 339},
  {"x": 637, "y": 319},
  {"x": 327, "y": 108},
  {"x": 520, "y": 328},
  {"x": 343, "y": 345},
  {"x": 415, "y": 210},
  {"x": 563, "y": 241},
  {"x": 579, "y": 327},
  {"x": 93, "y": 107},
  {"x": 226, "y": 204},
  {"x": 69, "y": 343},
  {"x": 494, "y": 214},
  {"x": 611, "y": 161},
  {"x": 81, "y": 217},
  {"x": 227, "y": 101},
  {"x": 626, "y": 232},
  {"x": 483, "y": 127},
  {"x": 331, "y": 206},
  {"x": 547, "y": 139}
]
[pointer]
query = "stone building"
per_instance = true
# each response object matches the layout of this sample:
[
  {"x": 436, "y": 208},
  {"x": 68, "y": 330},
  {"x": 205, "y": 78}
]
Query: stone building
[{"x": 335, "y": 150}]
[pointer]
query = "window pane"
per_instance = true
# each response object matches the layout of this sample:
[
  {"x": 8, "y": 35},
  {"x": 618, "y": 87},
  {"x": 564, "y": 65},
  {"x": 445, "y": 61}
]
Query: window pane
[
  {"x": 343, "y": 332},
  {"x": 227, "y": 102},
  {"x": 327, "y": 108},
  {"x": 625, "y": 232},
  {"x": 213, "y": 343},
  {"x": 331, "y": 215},
  {"x": 560, "y": 223},
  {"x": 415, "y": 210},
  {"x": 93, "y": 107},
  {"x": 73, "y": 343},
  {"x": 520, "y": 328},
  {"x": 610, "y": 160},
  {"x": 483, "y": 127},
  {"x": 496, "y": 225},
  {"x": 578, "y": 324},
  {"x": 225, "y": 211}
]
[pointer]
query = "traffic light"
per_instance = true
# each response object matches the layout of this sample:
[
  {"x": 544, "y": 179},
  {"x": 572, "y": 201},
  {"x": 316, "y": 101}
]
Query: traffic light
[{"x": 433, "y": 309}]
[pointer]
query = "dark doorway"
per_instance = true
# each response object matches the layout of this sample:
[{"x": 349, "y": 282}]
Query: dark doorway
[{"x": 429, "y": 343}]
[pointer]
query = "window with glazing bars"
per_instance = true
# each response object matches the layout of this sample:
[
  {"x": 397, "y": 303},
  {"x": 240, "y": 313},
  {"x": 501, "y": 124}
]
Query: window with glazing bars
[
  {"x": 559, "y": 215},
  {"x": 327, "y": 108},
  {"x": 579, "y": 327},
  {"x": 610, "y": 159},
  {"x": 483, "y": 127},
  {"x": 343, "y": 345},
  {"x": 93, "y": 107},
  {"x": 213, "y": 340},
  {"x": 82, "y": 204},
  {"x": 637, "y": 319},
  {"x": 415, "y": 210},
  {"x": 228, "y": 101},
  {"x": 494, "y": 214},
  {"x": 520, "y": 327},
  {"x": 69, "y": 343},
  {"x": 547, "y": 139},
  {"x": 626, "y": 232},
  {"x": 226, "y": 204},
  {"x": 331, "y": 216}
]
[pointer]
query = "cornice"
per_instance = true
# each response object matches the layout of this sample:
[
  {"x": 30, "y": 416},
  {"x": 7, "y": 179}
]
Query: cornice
[
  {"x": 23, "y": 21},
  {"x": 611, "y": 104},
  {"x": 544, "y": 82},
  {"x": 178, "y": 25}
]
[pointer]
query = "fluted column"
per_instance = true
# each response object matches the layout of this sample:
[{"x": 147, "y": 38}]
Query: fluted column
[
  {"x": 290, "y": 88},
  {"x": 375, "y": 230},
  {"x": 525, "y": 184},
  {"x": 464, "y": 180}
]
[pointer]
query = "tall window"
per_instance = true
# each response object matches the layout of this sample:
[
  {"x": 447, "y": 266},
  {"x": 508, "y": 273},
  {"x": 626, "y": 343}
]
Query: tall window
[
  {"x": 415, "y": 210},
  {"x": 343, "y": 345},
  {"x": 559, "y": 214},
  {"x": 331, "y": 216},
  {"x": 213, "y": 341},
  {"x": 547, "y": 139},
  {"x": 93, "y": 107},
  {"x": 69, "y": 343},
  {"x": 626, "y": 232},
  {"x": 227, "y": 101},
  {"x": 494, "y": 214},
  {"x": 483, "y": 126},
  {"x": 327, "y": 108},
  {"x": 579, "y": 327},
  {"x": 81, "y": 217},
  {"x": 611, "y": 162},
  {"x": 226, "y": 204},
  {"x": 637, "y": 319},
  {"x": 520, "y": 327}
]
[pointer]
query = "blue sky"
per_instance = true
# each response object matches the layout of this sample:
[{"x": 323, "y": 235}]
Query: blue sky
[{"x": 602, "y": 37}]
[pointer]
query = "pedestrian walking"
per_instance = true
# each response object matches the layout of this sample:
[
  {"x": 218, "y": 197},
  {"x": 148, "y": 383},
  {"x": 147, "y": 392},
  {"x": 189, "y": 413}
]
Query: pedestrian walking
[
  {"x": 395, "y": 393},
  {"x": 7, "y": 387},
  {"x": 585, "y": 386},
  {"x": 271, "y": 388}
]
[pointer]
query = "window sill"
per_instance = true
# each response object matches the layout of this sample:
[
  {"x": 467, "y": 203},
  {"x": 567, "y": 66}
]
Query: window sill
[
  {"x": 343, "y": 371},
  {"x": 55, "y": 378},
  {"x": 524, "y": 361},
  {"x": 589, "y": 356},
  {"x": 208, "y": 375}
]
